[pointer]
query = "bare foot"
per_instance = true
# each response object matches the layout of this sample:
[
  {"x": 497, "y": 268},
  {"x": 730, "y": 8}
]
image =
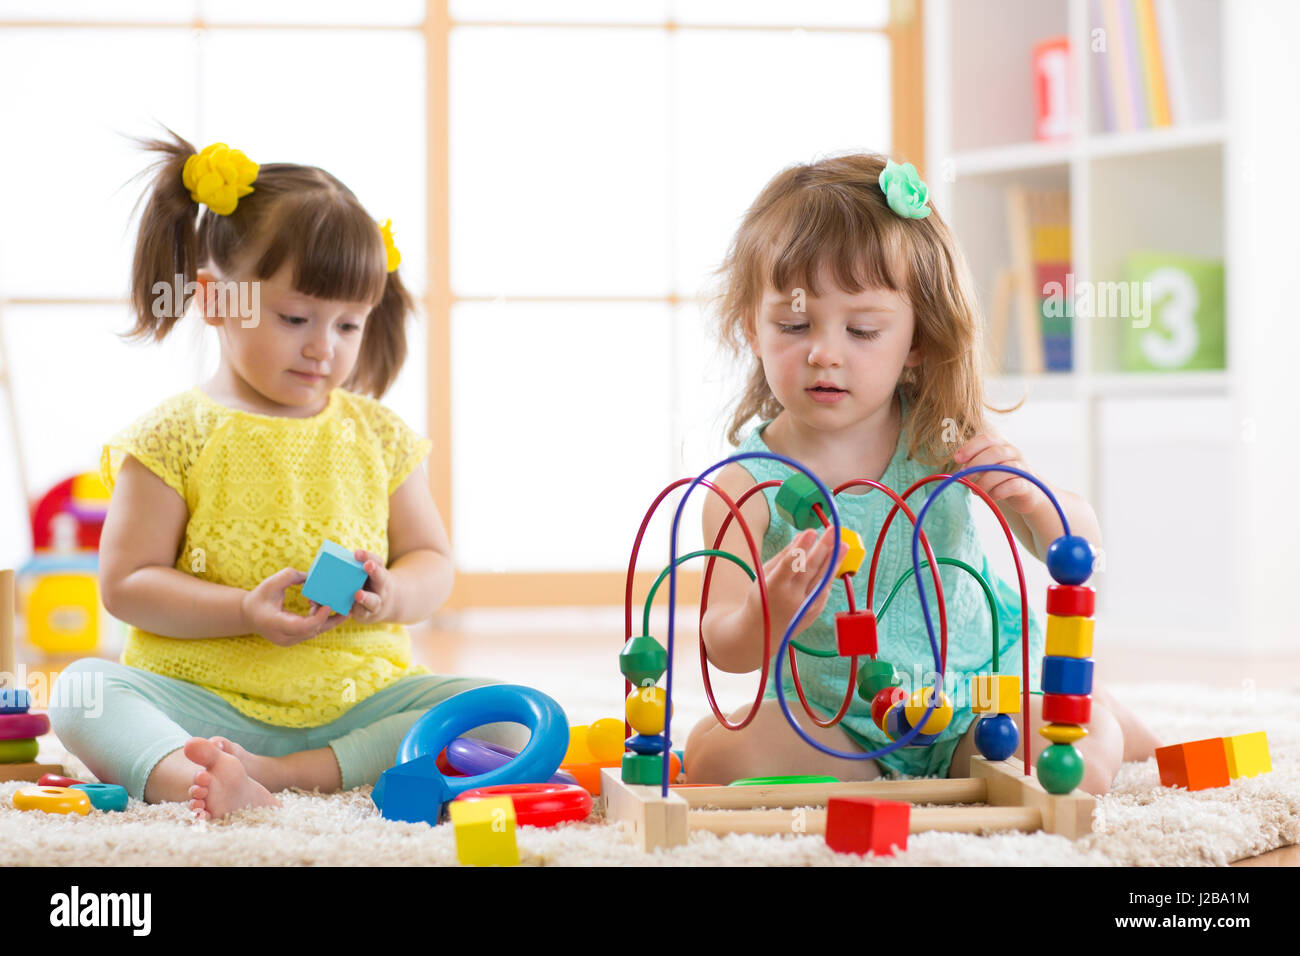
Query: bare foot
[
  {"x": 222, "y": 785},
  {"x": 265, "y": 770}
]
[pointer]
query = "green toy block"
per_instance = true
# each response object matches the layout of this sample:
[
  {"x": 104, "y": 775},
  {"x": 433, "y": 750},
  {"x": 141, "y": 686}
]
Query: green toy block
[
  {"x": 795, "y": 500},
  {"x": 643, "y": 660},
  {"x": 335, "y": 576},
  {"x": 647, "y": 770}
]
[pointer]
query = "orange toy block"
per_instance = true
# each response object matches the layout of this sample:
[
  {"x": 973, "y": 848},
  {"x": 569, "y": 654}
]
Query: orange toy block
[{"x": 1196, "y": 765}]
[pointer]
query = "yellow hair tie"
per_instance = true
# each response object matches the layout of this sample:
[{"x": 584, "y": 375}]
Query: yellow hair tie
[
  {"x": 218, "y": 177},
  {"x": 394, "y": 257}
]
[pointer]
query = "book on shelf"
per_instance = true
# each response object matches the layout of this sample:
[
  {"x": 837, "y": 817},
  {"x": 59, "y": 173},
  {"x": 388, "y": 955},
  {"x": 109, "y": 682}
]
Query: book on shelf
[{"x": 1141, "y": 67}]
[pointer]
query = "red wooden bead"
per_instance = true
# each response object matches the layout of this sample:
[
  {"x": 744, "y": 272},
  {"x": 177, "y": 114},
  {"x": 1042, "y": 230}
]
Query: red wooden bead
[
  {"x": 1071, "y": 600},
  {"x": 855, "y": 633},
  {"x": 1067, "y": 708},
  {"x": 864, "y": 825},
  {"x": 885, "y": 698}
]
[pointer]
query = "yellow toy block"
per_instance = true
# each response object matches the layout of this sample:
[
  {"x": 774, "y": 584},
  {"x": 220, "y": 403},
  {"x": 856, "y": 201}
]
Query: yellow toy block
[
  {"x": 854, "y": 552},
  {"x": 1069, "y": 636},
  {"x": 995, "y": 693},
  {"x": 1247, "y": 755},
  {"x": 485, "y": 831}
]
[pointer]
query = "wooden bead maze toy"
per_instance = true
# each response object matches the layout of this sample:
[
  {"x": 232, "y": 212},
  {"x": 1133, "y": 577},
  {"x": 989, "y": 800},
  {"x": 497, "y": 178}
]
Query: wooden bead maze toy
[{"x": 1014, "y": 795}]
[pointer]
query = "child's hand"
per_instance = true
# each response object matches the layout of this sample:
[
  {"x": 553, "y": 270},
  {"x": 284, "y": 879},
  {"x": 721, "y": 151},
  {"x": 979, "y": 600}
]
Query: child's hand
[
  {"x": 1014, "y": 492},
  {"x": 793, "y": 573},
  {"x": 373, "y": 604},
  {"x": 264, "y": 611}
]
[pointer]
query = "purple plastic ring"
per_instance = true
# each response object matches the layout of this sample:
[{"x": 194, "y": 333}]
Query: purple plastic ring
[{"x": 472, "y": 757}]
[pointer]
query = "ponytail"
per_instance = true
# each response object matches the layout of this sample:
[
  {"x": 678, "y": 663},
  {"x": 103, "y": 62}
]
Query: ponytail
[
  {"x": 383, "y": 345},
  {"x": 166, "y": 245}
]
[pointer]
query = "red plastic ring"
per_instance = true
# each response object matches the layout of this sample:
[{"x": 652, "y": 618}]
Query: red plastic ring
[
  {"x": 23, "y": 726},
  {"x": 539, "y": 804}
]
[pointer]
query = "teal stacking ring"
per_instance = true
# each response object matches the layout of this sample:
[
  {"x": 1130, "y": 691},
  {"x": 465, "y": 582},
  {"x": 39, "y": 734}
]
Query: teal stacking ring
[{"x": 104, "y": 796}]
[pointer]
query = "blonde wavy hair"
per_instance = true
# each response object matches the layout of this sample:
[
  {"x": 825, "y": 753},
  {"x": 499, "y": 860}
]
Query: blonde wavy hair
[{"x": 832, "y": 214}]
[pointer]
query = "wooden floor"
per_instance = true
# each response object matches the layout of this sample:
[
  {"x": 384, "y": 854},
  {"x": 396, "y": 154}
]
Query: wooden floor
[{"x": 542, "y": 647}]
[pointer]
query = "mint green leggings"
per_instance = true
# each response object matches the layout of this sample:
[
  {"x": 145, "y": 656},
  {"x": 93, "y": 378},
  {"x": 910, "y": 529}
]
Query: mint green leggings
[{"x": 121, "y": 721}]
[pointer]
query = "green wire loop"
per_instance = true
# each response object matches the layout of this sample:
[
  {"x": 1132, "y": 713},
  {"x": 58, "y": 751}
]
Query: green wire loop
[
  {"x": 649, "y": 600},
  {"x": 988, "y": 594}
]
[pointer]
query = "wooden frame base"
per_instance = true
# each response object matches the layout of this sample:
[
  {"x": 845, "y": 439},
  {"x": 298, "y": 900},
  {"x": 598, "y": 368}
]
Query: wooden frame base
[
  {"x": 28, "y": 771},
  {"x": 1013, "y": 801}
]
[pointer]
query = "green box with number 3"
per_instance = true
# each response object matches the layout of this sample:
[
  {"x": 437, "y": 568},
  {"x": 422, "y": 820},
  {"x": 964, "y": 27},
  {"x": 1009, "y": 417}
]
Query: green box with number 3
[{"x": 1183, "y": 319}]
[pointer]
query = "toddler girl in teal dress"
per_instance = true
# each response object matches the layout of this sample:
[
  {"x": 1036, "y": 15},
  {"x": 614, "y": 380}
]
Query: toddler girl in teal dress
[{"x": 857, "y": 306}]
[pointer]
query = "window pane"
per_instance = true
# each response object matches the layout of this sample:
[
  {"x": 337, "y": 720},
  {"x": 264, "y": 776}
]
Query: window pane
[
  {"x": 559, "y": 11},
  {"x": 558, "y": 159},
  {"x": 561, "y": 432},
  {"x": 397, "y": 12},
  {"x": 750, "y": 104},
  {"x": 70, "y": 97},
  {"x": 349, "y": 102},
  {"x": 76, "y": 383},
  {"x": 847, "y": 13},
  {"x": 123, "y": 10}
]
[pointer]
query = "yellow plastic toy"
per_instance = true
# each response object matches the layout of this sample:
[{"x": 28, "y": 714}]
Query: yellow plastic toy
[
  {"x": 52, "y": 800},
  {"x": 605, "y": 740},
  {"x": 485, "y": 831},
  {"x": 63, "y": 613}
]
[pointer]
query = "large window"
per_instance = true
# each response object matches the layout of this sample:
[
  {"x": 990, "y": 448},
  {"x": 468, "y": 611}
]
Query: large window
[{"x": 562, "y": 177}]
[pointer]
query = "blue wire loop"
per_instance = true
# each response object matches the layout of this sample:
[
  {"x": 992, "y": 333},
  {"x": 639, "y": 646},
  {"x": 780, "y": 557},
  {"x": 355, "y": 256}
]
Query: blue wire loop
[{"x": 822, "y": 585}]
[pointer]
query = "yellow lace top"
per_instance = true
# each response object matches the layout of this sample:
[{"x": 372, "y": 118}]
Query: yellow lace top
[{"x": 263, "y": 492}]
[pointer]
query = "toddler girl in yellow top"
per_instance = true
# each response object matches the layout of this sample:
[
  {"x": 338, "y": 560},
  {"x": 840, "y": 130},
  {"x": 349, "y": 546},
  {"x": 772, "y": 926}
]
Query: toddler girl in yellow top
[{"x": 233, "y": 685}]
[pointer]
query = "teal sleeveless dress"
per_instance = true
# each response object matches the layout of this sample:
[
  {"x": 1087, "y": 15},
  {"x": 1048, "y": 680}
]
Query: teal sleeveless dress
[{"x": 903, "y": 640}]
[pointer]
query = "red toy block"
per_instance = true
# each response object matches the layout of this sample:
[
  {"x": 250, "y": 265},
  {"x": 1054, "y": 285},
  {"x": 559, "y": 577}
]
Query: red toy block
[
  {"x": 1071, "y": 600},
  {"x": 1196, "y": 765},
  {"x": 864, "y": 825},
  {"x": 1067, "y": 708},
  {"x": 855, "y": 633}
]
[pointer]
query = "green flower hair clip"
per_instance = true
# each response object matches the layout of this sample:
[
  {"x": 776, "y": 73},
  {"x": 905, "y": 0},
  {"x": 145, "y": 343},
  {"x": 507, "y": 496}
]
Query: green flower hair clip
[{"x": 904, "y": 190}]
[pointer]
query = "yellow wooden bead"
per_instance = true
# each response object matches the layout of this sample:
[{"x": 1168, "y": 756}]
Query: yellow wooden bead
[
  {"x": 854, "y": 552},
  {"x": 995, "y": 693},
  {"x": 605, "y": 739},
  {"x": 645, "y": 710},
  {"x": 1063, "y": 733},
  {"x": 52, "y": 800},
  {"x": 915, "y": 710},
  {"x": 1069, "y": 636}
]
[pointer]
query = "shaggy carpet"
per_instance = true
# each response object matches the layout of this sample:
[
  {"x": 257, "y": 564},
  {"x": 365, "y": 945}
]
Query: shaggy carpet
[{"x": 1139, "y": 823}]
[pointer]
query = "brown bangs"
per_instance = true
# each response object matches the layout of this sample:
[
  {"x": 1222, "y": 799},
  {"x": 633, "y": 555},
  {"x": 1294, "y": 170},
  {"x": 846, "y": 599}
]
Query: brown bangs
[
  {"x": 336, "y": 249},
  {"x": 825, "y": 227}
]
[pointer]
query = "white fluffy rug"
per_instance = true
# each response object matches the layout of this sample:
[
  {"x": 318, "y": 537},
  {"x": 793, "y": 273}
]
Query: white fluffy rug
[{"x": 1139, "y": 823}]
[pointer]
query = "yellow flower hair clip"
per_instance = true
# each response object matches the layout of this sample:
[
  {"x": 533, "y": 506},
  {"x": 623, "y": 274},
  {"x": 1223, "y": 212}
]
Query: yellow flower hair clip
[
  {"x": 218, "y": 177},
  {"x": 394, "y": 257}
]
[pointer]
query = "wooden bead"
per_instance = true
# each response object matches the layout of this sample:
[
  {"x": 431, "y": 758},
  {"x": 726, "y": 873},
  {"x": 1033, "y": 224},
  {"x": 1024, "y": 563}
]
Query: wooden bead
[
  {"x": 645, "y": 710},
  {"x": 1063, "y": 733},
  {"x": 796, "y": 498},
  {"x": 854, "y": 554},
  {"x": 855, "y": 633},
  {"x": 1060, "y": 768},
  {"x": 643, "y": 660},
  {"x": 1071, "y": 600},
  {"x": 1066, "y": 708},
  {"x": 995, "y": 693},
  {"x": 1069, "y": 636},
  {"x": 874, "y": 676},
  {"x": 1067, "y": 675},
  {"x": 919, "y": 701}
]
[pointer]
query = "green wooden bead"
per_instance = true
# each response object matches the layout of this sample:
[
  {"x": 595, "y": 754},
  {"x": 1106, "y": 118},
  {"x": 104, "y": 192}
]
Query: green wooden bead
[
  {"x": 647, "y": 770},
  {"x": 875, "y": 676},
  {"x": 1060, "y": 768},
  {"x": 18, "y": 751},
  {"x": 795, "y": 500},
  {"x": 643, "y": 660}
]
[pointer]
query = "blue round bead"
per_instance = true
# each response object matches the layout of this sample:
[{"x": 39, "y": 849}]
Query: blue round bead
[
  {"x": 104, "y": 796},
  {"x": 646, "y": 743},
  {"x": 996, "y": 736},
  {"x": 1069, "y": 559}
]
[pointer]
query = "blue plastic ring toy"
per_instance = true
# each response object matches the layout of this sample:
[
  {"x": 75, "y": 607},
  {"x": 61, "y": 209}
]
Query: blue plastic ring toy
[
  {"x": 104, "y": 796},
  {"x": 511, "y": 703},
  {"x": 469, "y": 756}
]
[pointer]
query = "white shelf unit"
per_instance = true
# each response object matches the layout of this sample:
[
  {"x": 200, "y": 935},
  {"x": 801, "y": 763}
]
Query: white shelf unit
[{"x": 1132, "y": 444}]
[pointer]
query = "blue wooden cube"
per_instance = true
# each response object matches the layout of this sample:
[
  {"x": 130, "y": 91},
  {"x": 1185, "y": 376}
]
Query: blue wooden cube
[
  {"x": 1067, "y": 675},
  {"x": 334, "y": 577},
  {"x": 413, "y": 791}
]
